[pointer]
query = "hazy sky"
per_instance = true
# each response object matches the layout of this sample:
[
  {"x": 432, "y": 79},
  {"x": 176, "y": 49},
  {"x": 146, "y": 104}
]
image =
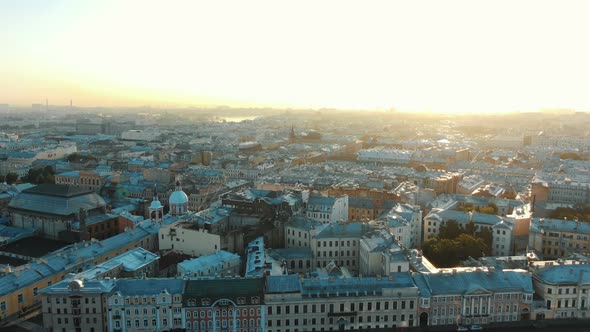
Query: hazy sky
[{"x": 412, "y": 55}]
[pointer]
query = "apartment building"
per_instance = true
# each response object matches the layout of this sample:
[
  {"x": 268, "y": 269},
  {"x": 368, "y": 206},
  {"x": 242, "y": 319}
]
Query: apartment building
[
  {"x": 145, "y": 305},
  {"x": 327, "y": 209},
  {"x": 555, "y": 238},
  {"x": 474, "y": 296},
  {"x": 564, "y": 287},
  {"x": 77, "y": 305},
  {"x": 325, "y": 304}
]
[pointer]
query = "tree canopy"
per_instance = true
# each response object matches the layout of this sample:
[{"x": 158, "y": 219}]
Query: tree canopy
[
  {"x": 456, "y": 243},
  {"x": 38, "y": 176},
  {"x": 11, "y": 178}
]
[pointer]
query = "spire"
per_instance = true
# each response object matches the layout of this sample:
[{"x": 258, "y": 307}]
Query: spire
[{"x": 292, "y": 135}]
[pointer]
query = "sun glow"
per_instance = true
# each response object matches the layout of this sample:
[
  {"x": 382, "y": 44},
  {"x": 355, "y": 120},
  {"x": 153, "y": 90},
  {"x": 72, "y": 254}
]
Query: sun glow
[{"x": 452, "y": 56}]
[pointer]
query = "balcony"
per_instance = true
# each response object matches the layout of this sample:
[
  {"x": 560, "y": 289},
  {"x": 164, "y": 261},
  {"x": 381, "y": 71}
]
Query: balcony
[{"x": 116, "y": 316}]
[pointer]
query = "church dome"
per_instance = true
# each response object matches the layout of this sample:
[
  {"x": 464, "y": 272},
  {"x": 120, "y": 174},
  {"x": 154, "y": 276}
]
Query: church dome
[{"x": 178, "y": 197}]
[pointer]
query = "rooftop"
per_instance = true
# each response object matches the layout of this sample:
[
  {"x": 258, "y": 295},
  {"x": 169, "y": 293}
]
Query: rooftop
[
  {"x": 149, "y": 286},
  {"x": 570, "y": 274},
  {"x": 204, "y": 262},
  {"x": 224, "y": 288}
]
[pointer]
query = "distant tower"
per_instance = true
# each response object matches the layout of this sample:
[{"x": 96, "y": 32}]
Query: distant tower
[
  {"x": 292, "y": 135},
  {"x": 156, "y": 209}
]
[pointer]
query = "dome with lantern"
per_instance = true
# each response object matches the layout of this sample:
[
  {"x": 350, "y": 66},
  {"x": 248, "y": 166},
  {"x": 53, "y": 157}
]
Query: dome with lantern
[{"x": 178, "y": 201}]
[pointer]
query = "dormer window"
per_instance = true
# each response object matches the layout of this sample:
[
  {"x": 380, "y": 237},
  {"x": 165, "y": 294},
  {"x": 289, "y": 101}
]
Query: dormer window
[
  {"x": 241, "y": 300},
  {"x": 192, "y": 302},
  {"x": 255, "y": 299},
  {"x": 206, "y": 301}
]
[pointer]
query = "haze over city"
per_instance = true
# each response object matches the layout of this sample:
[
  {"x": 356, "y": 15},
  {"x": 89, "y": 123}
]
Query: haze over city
[
  {"x": 306, "y": 166},
  {"x": 451, "y": 56}
]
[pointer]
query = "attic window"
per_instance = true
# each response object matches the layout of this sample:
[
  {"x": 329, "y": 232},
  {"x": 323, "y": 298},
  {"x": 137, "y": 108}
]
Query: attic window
[
  {"x": 192, "y": 302},
  {"x": 241, "y": 300},
  {"x": 205, "y": 301},
  {"x": 255, "y": 300}
]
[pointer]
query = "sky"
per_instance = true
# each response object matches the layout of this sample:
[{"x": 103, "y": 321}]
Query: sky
[{"x": 437, "y": 56}]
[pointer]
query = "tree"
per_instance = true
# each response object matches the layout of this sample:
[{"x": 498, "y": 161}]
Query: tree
[
  {"x": 450, "y": 230},
  {"x": 450, "y": 252},
  {"x": 11, "y": 178},
  {"x": 38, "y": 176},
  {"x": 78, "y": 157},
  {"x": 491, "y": 208},
  {"x": 487, "y": 236},
  {"x": 441, "y": 252},
  {"x": 471, "y": 247}
]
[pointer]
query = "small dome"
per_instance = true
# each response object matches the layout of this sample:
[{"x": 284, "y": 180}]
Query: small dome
[
  {"x": 156, "y": 205},
  {"x": 177, "y": 198},
  {"x": 76, "y": 284}
]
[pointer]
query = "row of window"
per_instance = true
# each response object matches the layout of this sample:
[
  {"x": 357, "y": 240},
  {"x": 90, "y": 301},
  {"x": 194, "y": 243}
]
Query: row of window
[
  {"x": 565, "y": 290},
  {"x": 335, "y": 243},
  {"x": 335, "y": 253},
  {"x": 343, "y": 307},
  {"x": 204, "y": 325},
  {"x": 145, "y": 311},
  {"x": 154, "y": 322},
  {"x": 64, "y": 300},
  {"x": 65, "y": 311},
  {"x": 476, "y": 310},
  {"x": 144, "y": 300},
  {"x": 67, "y": 321},
  {"x": 239, "y": 300},
  {"x": 332, "y": 320},
  {"x": 223, "y": 313}
]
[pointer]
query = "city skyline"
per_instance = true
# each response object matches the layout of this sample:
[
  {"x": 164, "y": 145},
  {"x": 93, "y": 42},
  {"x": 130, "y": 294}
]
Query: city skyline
[{"x": 451, "y": 57}]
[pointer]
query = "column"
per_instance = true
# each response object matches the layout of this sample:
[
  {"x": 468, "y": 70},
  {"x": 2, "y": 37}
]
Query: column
[
  {"x": 123, "y": 320},
  {"x": 463, "y": 307},
  {"x": 262, "y": 318},
  {"x": 158, "y": 316},
  {"x": 171, "y": 321},
  {"x": 110, "y": 320},
  {"x": 235, "y": 320},
  {"x": 480, "y": 305},
  {"x": 214, "y": 319}
]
